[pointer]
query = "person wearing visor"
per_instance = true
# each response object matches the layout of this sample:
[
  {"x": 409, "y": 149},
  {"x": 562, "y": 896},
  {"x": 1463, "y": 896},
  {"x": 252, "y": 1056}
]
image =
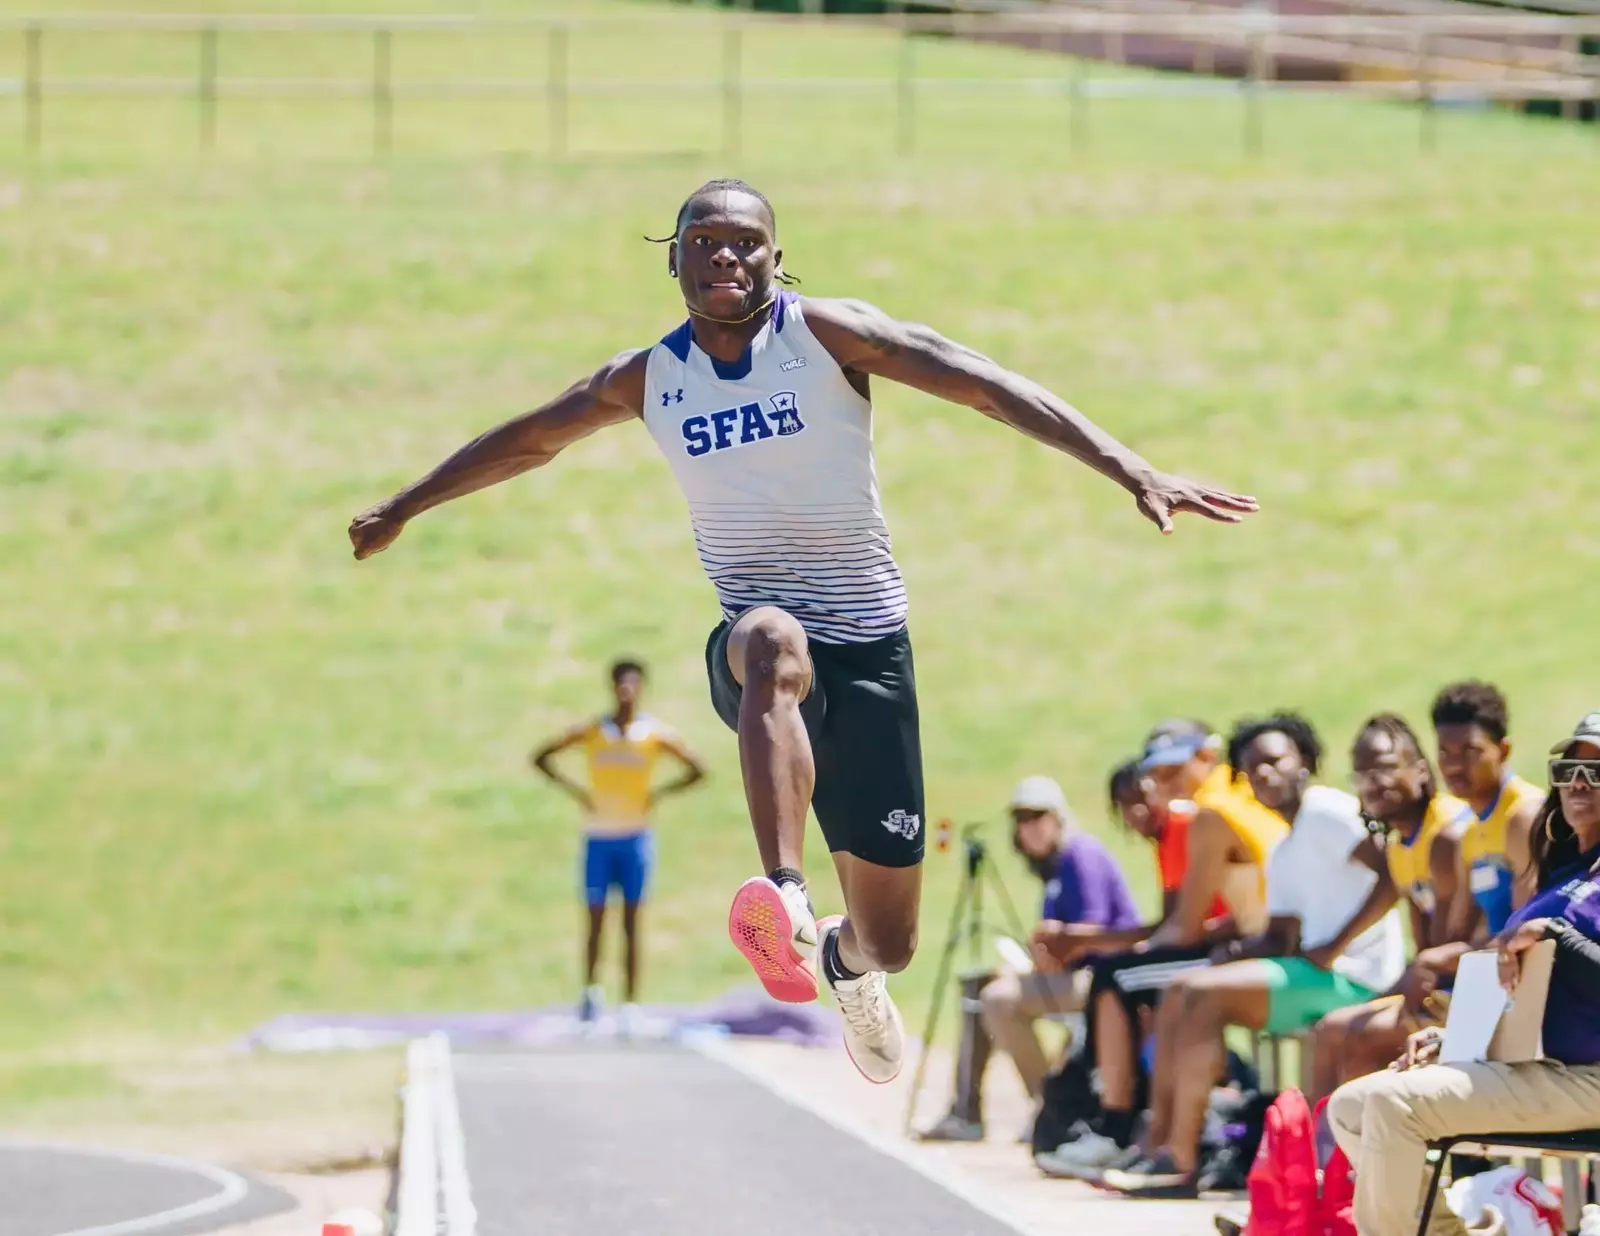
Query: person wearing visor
[{"x": 1231, "y": 837}]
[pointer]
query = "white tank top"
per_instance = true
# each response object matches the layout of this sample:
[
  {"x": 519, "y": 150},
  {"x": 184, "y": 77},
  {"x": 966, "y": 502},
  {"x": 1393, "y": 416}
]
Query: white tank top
[{"x": 774, "y": 454}]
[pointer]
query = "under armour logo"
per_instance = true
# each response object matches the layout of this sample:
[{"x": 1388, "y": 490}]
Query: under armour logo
[
  {"x": 671, "y": 397},
  {"x": 902, "y": 823}
]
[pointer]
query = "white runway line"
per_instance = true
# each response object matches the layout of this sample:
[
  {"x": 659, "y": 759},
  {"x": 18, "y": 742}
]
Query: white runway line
[
  {"x": 417, "y": 1198},
  {"x": 231, "y": 1188},
  {"x": 978, "y": 1198},
  {"x": 433, "y": 1155},
  {"x": 460, "y": 1215}
]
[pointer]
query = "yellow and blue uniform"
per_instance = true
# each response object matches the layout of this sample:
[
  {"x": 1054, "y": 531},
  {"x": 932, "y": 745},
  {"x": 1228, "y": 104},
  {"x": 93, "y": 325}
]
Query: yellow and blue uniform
[
  {"x": 1409, "y": 857},
  {"x": 1244, "y": 885},
  {"x": 619, "y": 849},
  {"x": 1483, "y": 850}
]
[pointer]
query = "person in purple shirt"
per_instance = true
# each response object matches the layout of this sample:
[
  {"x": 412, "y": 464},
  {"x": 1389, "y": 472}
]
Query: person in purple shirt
[
  {"x": 1384, "y": 1121},
  {"x": 1082, "y": 885}
]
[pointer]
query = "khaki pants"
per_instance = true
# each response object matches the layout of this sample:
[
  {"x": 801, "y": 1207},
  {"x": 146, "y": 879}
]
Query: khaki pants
[
  {"x": 1011, "y": 1003},
  {"x": 1384, "y": 1121}
]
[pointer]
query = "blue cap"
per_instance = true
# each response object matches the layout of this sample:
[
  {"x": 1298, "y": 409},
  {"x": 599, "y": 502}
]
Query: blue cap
[{"x": 1175, "y": 742}]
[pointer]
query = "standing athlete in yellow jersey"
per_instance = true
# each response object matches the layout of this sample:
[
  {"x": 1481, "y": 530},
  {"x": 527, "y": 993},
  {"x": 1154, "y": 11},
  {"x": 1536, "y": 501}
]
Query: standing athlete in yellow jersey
[
  {"x": 1470, "y": 720},
  {"x": 622, "y": 750}
]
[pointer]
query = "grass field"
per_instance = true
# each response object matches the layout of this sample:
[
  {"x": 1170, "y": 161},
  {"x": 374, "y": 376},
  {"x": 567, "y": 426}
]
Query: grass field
[{"x": 240, "y": 774}]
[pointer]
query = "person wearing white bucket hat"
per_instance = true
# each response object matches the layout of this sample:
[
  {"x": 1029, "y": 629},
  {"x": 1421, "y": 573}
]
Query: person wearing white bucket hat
[{"x": 1083, "y": 887}]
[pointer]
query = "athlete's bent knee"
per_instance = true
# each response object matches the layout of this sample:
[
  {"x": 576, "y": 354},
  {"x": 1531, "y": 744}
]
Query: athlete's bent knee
[
  {"x": 776, "y": 662},
  {"x": 889, "y": 949}
]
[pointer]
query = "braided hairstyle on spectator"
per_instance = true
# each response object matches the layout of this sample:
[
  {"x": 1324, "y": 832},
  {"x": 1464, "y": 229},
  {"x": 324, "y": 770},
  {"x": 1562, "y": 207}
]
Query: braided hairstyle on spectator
[{"x": 1402, "y": 735}]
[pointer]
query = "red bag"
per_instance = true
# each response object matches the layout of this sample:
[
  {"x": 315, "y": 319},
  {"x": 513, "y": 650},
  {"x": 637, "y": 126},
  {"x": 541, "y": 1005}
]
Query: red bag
[
  {"x": 1337, "y": 1196},
  {"x": 1289, "y": 1196},
  {"x": 1283, "y": 1179}
]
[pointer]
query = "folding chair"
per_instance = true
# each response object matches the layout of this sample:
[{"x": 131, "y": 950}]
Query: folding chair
[{"x": 1571, "y": 1148}]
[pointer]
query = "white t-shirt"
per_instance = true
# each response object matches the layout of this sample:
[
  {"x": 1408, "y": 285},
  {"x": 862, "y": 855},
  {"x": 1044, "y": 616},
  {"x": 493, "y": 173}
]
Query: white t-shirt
[{"x": 1313, "y": 875}]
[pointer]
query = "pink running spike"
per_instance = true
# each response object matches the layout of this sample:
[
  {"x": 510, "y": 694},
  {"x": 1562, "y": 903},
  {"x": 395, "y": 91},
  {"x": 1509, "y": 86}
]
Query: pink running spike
[{"x": 760, "y": 927}]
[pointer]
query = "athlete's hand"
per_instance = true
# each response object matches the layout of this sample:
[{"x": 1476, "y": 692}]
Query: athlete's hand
[
  {"x": 1162, "y": 495},
  {"x": 375, "y": 529}
]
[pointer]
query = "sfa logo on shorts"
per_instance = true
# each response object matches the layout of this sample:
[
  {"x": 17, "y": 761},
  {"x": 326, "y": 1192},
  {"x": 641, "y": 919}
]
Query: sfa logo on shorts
[
  {"x": 742, "y": 425},
  {"x": 903, "y": 824}
]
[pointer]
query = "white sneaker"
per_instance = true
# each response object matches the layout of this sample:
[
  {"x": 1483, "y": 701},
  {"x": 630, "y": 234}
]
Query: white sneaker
[
  {"x": 772, "y": 925},
  {"x": 629, "y": 1021},
  {"x": 1083, "y": 1159},
  {"x": 589, "y": 1006},
  {"x": 873, "y": 1034}
]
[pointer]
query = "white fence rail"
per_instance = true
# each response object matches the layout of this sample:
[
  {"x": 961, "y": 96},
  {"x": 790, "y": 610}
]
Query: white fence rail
[{"x": 1475, "y": 53}]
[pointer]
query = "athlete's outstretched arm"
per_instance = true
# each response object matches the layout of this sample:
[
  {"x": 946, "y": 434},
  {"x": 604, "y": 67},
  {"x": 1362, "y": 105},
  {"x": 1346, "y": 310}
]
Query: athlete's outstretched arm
[
  {"x": 614, "y": 393},
  {"x": 863, "y": 338}
]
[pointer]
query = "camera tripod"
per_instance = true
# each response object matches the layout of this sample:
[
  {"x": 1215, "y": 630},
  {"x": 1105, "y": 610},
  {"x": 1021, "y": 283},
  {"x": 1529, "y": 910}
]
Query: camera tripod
[{"x": 966, "y": 923}]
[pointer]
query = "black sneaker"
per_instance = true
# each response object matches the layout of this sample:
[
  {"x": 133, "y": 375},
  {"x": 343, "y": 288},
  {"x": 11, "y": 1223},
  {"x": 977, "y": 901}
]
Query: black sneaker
[
  {"x": 1226, "y": 1173},
  {"x": 1154, "y": 1176},
  {"x": 953, "y": 1128}
]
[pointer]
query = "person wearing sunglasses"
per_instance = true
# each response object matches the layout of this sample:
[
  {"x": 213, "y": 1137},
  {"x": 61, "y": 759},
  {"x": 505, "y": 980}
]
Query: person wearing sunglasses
[{"x": 1385, "y": 1121}]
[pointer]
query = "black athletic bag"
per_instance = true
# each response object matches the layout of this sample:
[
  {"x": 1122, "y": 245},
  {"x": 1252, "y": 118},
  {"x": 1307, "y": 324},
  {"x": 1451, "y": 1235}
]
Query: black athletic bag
[{"x": 1068, "y": 1098}]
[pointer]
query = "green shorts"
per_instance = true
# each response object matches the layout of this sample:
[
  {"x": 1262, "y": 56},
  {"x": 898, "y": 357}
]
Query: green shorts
[{"x": 1301, "y": 994}]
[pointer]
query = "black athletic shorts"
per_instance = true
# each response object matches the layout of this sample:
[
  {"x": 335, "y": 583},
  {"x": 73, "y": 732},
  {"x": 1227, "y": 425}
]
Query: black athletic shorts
[
  {"x": 1138, "y": 979},
  {"x": 861, "y": 717}
]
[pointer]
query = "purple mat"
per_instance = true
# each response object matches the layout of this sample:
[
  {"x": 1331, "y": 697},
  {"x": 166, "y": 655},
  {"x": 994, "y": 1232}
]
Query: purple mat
[{"x": 746, "y": 1011}]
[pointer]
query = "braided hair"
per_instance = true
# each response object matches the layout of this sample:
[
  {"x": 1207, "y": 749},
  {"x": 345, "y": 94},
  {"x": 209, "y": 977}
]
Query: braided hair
[{"x": 1400, "y": 734}]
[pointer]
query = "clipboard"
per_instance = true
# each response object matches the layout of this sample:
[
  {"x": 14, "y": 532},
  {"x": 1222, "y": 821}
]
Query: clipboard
[
  {"x": 1520, "y": 1034},
  {"x": 1517, "y": 1019}
]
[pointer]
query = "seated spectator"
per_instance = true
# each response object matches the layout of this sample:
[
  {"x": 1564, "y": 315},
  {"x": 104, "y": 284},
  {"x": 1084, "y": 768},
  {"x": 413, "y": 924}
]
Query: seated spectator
[
  {"x": 1083, "y": 887},
  {"x": 1384, "y": 1121},
  {"x": 1332, "y": 939},
  {"x": 1396, "y": 786},
  {"x": 1470, "y": 720},
  {"x": 1230, "y": 839},
  {"x": 1059, "y": 945}
]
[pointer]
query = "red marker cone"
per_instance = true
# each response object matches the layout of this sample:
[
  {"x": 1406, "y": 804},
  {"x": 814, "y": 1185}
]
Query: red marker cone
[
  {"x": 338, "y": 1229},
  {"x": 942, "y": 844}
]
